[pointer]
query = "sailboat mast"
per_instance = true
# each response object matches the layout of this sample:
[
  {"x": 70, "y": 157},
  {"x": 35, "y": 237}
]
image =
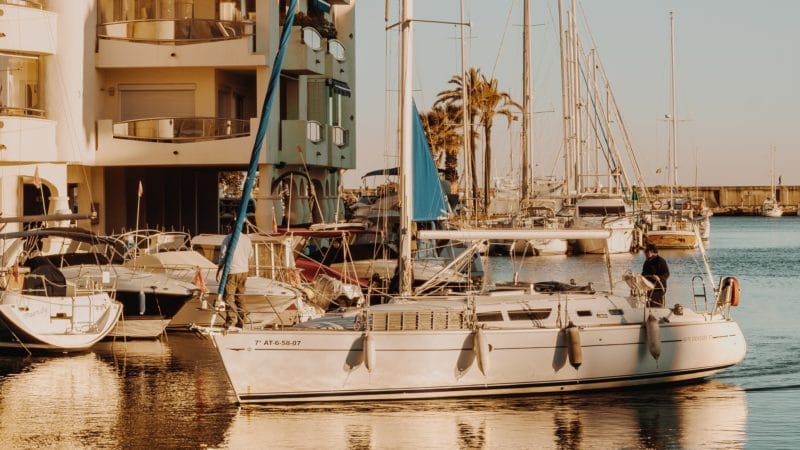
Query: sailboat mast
[
  {"x": 526, "y": 99},
  {"x": 466, "y": 122},
  {"x": 772, "y": 174},
  {"x": 405, "y": 261},
  {"x": 577, "y": 110},
  {"x": 565, "y": 103},
  {"x": 673, "y": 165}
]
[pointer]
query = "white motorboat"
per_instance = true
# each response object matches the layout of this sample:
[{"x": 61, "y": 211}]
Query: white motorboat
[
  {"x": 549, "y": 337},
  {"x": 604, "y": 212},
  {"x": 150, "y": 300},
  {"x": 269, "y": 301}
]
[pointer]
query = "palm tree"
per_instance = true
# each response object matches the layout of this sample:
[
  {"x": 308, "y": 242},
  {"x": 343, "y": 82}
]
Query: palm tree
[
  {"x": 454, "y": 98},
  {"x": 484, "y": 102},
  {"x": 491, "y": 102},
  {"x": 441, "y": 126}
]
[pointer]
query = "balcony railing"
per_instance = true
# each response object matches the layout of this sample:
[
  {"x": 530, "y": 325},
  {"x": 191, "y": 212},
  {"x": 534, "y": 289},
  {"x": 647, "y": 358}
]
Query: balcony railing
[
  {"x": 336, "y": 49},
  {"x": 181, "y": 129},
  {"x": 312, "y": 38},
  {"x": 27, "y": 112},
  {"x": 26, "y": 3},
  {"x": 175, "y": 31}
]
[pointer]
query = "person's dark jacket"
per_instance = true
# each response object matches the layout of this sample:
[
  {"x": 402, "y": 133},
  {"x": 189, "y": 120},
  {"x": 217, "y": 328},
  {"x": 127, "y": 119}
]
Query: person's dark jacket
[{"x": 656, "y": 266}]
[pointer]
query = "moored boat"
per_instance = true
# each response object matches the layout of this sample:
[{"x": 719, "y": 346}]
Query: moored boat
[
  {"x": 40, "y": 314},
  {"x": 550, "y": 337}
]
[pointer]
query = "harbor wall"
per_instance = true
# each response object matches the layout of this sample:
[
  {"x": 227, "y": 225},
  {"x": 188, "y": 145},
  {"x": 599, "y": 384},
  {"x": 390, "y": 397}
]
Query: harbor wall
[{"x": 738, "y": 200}]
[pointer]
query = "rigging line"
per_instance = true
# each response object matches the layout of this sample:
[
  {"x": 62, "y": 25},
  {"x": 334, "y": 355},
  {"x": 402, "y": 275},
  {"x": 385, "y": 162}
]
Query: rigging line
[
  {"x": 608, "y": 153},
  {"x": 503, "y": 37},
  {"x": 626, "y": 136}
]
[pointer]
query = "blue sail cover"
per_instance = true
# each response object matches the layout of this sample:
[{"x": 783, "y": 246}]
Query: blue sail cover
[{"x": 429, "y": 198}]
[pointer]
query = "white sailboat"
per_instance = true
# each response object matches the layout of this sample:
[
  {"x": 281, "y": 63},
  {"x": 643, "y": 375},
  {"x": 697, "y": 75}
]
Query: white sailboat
[
  {"x": 538, "y": 247},
  {"x": 549, "y": 337},
  {"x": 771, "y": 206},
  {"x": 594, "y": 207},
  {"x": 673, "y": 227}
]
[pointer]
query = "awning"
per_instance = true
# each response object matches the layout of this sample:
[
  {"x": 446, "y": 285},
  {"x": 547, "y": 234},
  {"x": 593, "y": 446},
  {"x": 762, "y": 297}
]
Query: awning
[
  {"x": 320, "y": 5},
  {"x": 387, "y": 172},
  {"x": 339, "y": 87}
]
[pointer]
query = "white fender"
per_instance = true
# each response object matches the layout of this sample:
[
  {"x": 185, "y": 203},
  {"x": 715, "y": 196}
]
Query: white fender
[
  {"x": 574, "y": 345},
  {"x": 142, "y": 303},
  {"x": 653, "y": 332},
  {"x": 481, "y": 347},
  {"x": 369, "y": 352}
]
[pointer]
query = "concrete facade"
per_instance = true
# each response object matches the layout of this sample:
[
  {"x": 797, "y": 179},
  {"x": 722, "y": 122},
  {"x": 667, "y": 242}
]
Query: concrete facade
[{"x": 105, "y": 94}]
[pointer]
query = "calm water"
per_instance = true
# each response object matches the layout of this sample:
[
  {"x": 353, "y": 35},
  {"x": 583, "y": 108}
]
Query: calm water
[{"x": 175, "y": 394}]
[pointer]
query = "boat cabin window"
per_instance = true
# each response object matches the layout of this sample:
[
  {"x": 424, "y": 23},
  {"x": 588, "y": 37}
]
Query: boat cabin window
[
  {"x": 493, "y": 316},
  {"x": 529, "y": 314},
  {"x": 584, "y": 313},
  {"x": 601, "y": 211},
  {"x": 615, "y": 312}
]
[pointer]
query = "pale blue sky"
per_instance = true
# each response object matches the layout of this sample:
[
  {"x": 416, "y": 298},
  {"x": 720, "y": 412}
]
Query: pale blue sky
[{"x": 737, "y": 75}]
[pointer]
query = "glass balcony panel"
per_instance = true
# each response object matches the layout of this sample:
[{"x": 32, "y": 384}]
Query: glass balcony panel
[
  {"x": 312, "y": 38},
  {"x": 19, "y": 85},
  {"x": 181, "y": 129},
  {"x": 26, "y": 3},
  {"x": 170, "y": 21},
  {"x": 336, "y": 49}
]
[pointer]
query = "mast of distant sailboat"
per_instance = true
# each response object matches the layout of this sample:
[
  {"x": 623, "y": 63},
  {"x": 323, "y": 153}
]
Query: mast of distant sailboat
[
  {"x": 672, "y": 160},
  {"x": 526, "y": 101}
]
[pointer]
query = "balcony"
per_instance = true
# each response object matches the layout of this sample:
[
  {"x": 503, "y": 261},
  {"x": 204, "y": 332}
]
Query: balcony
[
  {"x": 175, "y": 141},
  {"x": 304, "y": 55},
  {"x": 176, "y": 43},
  {"x": 340, "y": 150},
  {"x": 26, "y": 27},
  {"x": 181, "y": 129},
  {"x": 176, "y": 31},
  {"x": 302, "y": 142},
  {"x": 335, "y": 62},
  {"x": 26, "y": 138}
]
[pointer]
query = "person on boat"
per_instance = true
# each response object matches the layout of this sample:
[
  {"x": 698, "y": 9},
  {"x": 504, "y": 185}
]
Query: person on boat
[
  {"x": 235, "y": 310},
  {"x": 656, "y": 270}
]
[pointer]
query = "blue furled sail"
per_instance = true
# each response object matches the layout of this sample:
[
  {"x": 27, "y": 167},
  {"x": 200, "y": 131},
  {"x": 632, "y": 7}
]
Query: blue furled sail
[
  {"x": 429, "y": 198},
  {"x": 259, "y": 141}
]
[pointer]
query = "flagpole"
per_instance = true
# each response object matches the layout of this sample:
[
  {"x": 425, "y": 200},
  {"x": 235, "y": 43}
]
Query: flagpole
[
  {"x": 37, "y": 181},
  {"x": 138, "y": 203}
]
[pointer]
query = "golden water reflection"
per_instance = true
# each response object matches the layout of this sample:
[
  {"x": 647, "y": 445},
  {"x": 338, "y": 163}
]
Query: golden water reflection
[{"x": 707, "y": 415}]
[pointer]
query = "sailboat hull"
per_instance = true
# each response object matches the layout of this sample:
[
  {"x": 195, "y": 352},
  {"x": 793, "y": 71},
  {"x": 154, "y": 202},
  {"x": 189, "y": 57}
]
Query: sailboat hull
[
  {"x": 330, "y": 366},
  {"x": 620, "y": 241},
  {"x": 55, "y": 324},
  {"x": 672, "y": 239}
]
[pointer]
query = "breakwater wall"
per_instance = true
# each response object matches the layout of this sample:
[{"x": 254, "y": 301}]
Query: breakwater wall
[{"x": 738, "y": 200}]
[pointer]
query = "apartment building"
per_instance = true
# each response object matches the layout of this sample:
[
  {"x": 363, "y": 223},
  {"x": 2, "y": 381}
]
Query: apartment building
[{"x": 145, "y": 111}]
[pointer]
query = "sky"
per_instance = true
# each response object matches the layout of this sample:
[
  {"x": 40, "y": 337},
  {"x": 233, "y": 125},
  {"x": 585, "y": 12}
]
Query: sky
[{"x": 737, "y": 72}]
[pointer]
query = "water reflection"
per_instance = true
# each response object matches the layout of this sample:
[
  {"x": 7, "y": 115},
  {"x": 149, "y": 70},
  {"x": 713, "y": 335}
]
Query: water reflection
[
  {"x": 33, "y": 391},
  {"x": 135, "y": 394},
  {"x": 175, "y": 393},
  {"x": 706, "y": 415}
]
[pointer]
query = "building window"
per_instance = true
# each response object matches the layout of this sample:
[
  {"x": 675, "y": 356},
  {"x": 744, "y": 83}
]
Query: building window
[{"x": 19, "y": 85}]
